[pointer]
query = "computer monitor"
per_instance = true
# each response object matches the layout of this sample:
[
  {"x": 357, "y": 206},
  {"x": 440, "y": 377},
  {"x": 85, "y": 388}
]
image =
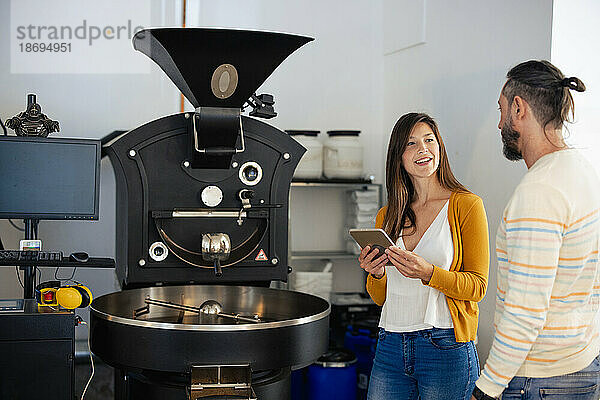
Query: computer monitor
[{"x": 42, "y": 178}]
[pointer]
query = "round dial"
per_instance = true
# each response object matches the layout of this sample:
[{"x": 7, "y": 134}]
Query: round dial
[{"x": 211, "y": 196}]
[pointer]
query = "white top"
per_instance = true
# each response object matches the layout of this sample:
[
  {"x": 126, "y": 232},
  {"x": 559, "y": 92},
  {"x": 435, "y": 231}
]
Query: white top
[{"x": 409, "y": 305}]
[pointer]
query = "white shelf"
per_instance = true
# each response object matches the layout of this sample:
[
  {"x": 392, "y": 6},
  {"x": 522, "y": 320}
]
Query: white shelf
[
  {"x": 317, "y": 216},
  {"x": 322, "y": 255},
  {"x": 332, "y": 185}
]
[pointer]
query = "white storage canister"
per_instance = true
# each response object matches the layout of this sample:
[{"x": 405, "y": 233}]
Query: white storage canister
[
  {"x": 343, "y": 155},
  {"x": 311, "y": 164}
]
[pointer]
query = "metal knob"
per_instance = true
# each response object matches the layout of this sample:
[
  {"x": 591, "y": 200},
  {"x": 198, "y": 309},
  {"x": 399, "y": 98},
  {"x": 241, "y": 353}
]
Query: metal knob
[
  {"x": 211, "y": 307},
  {"x": 216, "y": 247}
]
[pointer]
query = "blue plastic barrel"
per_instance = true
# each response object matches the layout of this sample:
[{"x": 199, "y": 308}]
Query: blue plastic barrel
[
  {"x": 300, "y": 384},
  {"x": 361, "y": 338},
  {"x": 333, "y": 376}
]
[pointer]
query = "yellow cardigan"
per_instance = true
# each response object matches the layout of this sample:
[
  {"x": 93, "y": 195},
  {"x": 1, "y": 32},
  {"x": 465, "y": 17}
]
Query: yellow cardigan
[{"x": 466, "y": 281}]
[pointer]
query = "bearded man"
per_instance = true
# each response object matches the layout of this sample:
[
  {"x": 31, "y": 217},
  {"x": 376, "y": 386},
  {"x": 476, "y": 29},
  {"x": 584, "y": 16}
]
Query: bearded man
[{"x": 546, "y": 342}]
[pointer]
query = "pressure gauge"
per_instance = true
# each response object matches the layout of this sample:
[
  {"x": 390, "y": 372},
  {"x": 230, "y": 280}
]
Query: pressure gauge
[{"x": 211, "y": 196}]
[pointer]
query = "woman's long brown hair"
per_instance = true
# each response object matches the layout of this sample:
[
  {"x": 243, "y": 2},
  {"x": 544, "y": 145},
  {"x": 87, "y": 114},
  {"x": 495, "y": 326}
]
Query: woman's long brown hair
[{"x": 400, "y": 189}]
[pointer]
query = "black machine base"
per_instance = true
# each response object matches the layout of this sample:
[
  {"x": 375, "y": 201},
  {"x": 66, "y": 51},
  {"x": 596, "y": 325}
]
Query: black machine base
[
  {"x": 267, "y": 385},
  {"x": 37, "y": 349}
]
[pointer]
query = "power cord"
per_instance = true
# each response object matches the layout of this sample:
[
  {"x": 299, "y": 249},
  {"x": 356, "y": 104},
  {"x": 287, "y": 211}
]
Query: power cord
[
  {"x": 19, "y": 277},
  {"x": 70, "y": 279},
  {"x": 16, "y": 226},
  {"x": 82, "y": 322},
  {"x": 37, "y": 271}
]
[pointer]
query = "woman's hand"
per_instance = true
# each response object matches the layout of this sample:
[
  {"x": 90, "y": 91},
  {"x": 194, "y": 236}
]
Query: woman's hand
[
  {"x": 372, "y": 264},
  {"x": 409, "y": 264}
]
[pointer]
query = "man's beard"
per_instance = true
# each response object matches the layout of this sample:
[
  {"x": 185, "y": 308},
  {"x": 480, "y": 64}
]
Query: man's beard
[{"x": 509, "y": 140}]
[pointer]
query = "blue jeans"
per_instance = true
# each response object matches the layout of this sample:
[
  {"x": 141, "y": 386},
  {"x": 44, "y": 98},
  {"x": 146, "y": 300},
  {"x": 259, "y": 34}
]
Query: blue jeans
[
  {"x": 426, "y": 365},
  {"x": 582, "y": 385}
]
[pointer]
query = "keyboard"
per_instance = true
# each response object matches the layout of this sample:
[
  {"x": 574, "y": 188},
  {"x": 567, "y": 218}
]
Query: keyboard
[
  {"x": 50, "y": 259},
  {"x": 30, "y": 256}
]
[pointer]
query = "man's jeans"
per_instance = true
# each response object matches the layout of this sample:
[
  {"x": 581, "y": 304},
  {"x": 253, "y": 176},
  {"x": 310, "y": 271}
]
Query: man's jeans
[
  {"x": 582, "y": 385},
  {"x": 426, "y": 365}
]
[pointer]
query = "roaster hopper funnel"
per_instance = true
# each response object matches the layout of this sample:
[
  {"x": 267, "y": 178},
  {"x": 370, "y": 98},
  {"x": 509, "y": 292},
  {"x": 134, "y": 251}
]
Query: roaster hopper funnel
[{"x": 217, "y": 67}]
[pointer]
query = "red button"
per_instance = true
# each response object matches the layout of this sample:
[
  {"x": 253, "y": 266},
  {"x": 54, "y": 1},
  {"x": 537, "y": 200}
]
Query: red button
[{"x": 48, "y": 297}]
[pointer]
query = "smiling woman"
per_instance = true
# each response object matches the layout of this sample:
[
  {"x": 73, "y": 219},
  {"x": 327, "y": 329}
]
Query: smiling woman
[
  {"x": 429, "y": 283},
  {"x": 422, "y": 150},
  {"x": 414, "y": 137}
]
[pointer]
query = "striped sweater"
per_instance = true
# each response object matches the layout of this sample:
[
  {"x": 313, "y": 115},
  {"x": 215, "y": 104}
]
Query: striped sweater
[{"x": 548, "y": 292}]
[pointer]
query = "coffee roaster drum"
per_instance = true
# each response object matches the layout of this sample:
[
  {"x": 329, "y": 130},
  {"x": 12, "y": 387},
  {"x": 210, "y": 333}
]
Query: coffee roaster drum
[{"x": 292, "y": 328}]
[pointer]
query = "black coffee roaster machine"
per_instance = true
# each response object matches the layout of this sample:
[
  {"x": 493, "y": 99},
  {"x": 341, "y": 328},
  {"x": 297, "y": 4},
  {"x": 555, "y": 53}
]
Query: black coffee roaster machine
[{"x": 202, "y": 231}]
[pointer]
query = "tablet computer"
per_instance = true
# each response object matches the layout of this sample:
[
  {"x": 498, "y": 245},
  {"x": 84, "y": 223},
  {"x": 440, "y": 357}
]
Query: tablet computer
[{"x": 370, "y": 237}]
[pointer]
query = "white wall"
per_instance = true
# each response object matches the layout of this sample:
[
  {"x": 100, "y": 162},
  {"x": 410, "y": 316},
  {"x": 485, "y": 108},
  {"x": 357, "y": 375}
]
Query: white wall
[
  {"x": 456, "y": 76},
  {"x": 333, "y": 82},
  {"x": 87, "y": 106},
  {"x": 573, "y": 38}
]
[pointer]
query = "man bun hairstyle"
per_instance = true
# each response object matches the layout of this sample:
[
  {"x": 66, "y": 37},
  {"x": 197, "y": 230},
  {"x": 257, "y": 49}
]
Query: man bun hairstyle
[{"x": 545, "y": 89}]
